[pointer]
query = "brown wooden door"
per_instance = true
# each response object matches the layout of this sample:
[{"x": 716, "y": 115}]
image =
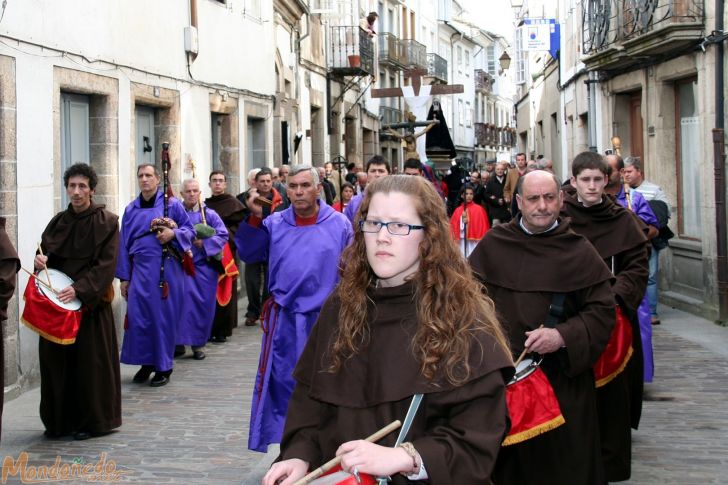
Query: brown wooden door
[{"x": 635, "y": 127}]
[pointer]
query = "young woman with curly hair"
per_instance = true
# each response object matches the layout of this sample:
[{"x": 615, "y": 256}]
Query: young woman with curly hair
[{"x": 406, "y": 318}]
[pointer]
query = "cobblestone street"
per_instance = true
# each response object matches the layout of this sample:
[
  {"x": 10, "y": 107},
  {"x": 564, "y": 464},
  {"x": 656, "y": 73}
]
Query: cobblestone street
[{"x": 195, "y": 429}]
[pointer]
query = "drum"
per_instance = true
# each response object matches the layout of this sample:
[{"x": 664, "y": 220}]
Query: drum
[
  {"x": 45, "y": 314},
  {"x": 338, "y": 477},
  {"x": 532, "y": 403},
  {"x": 617, "y": 353}
]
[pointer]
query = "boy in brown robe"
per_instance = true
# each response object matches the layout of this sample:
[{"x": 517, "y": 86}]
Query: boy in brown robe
[
  {"x": 80, "y": 390},
  {"x": 523, "y": 264}
]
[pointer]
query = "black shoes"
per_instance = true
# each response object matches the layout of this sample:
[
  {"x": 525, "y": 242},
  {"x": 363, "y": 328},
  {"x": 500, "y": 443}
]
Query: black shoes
[
  {"x": 143, "y": 374},
  {"x": 251, "y": 322},
  {"x": 179, "y": 350},
  {"x": 198, "y": 355},
  {"x": 160, "y": 378},
  {"x": 218, "y": 340}
]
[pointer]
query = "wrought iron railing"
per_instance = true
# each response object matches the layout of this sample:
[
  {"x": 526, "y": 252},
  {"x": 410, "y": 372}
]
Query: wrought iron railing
[
  {"x": 351, "y": 51},
  {"x": 414, "y": 54},
  {"x": 390, "y": 51},
  {"x": 388, "y": 116},
  {"x": 483, "y": 81},
  {"x": 436, "y": 66},
  {"x": 607, "y": 23}
]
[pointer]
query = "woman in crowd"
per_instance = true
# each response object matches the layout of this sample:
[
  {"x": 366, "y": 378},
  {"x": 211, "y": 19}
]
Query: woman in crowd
[
  {"x": 469, "y": 222},
  {"x": 347, "y": 192},
  {"x": 406, "y": 318}
]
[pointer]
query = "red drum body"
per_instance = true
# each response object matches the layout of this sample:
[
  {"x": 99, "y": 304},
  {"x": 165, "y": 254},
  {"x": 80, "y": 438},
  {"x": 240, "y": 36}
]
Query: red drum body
[
  {"x": 532, "y": 404},
  {"x": 617, "y": 353},
  {"x": 338, "y": 477},
  {"x": 45, "y": 314}
]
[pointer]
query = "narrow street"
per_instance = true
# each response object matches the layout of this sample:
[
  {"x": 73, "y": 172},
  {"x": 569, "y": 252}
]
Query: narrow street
[{"x": 195, "y": 429}]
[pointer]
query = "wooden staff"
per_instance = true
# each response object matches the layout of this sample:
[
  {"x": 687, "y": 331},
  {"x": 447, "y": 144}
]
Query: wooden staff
[
  {"x": 525, "y": 351},
  {"x": 48, "y": 275},
  {"x": 335, "y": 461},
  {"x": 166, "y": 163}
]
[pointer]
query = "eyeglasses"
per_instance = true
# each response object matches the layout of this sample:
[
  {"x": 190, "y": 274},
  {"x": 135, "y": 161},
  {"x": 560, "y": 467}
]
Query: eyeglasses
[{"x": 394, "y": 228}]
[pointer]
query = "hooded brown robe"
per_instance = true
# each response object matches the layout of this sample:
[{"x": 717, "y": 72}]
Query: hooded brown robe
[
  {"x": 80, "y": 388},
  {"x": 232, "y": 212},
  {"x": 457, "y": 430},
  {"x": 9, "y": 265},
  {"x": 522, "y": 272},
  {"x": 619, "y": 237}
]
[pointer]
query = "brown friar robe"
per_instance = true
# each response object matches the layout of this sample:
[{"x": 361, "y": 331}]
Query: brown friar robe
[
  {"x": 522, "y": 272},
  {"x": 619, "y": 237},
  {"x": 232, "y": 212},
  {"x": 80, "y": 388},
  {"x": 457, "y": 430},
  {"x": 9, "y": 265}
]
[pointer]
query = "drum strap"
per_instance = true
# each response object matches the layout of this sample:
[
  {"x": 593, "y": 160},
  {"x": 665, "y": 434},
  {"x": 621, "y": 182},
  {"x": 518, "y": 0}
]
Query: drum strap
[
  {"x": 408, "y": 419},
  {"x": 556, "y": 310}
]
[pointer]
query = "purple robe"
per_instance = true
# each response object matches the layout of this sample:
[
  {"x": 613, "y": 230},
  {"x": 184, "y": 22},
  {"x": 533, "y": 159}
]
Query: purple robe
[
  {"x": 643, "y": 210},
  {"x": 352, "y": 208},
  {"x": 195, "y": 324},
  {"x": 302, "y": 271},
  {"x": 151, "y": 320}
]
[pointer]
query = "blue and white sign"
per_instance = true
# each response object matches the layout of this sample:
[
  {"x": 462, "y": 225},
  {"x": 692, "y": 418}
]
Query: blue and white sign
[{"x": 541, "y": 35}]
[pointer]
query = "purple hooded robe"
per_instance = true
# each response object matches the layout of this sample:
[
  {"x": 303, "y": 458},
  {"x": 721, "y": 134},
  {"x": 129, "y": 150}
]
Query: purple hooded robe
[
  {"x": 302, "y": 271},
  {"x": 195, "y": 323},
  {"x": 152, "y": 320}
]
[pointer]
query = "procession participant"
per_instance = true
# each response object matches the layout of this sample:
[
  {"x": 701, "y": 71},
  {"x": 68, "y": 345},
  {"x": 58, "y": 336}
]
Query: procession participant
[
  {"x": 80, "y": 386},
  {"x": 498, "y": 212},
  {"x": 9, "y": 266},
  {"x": 618, "y": 237},
  {"x": 256, "y": 272},
  {"x": 301, "y": 246},
  {"x": 377, "y": 167},
  {"x": 469, "y": 217},
  {"x": 152, "y": 281},
  {"x": 566, "y": 264},
  {"x": 232, "y": 212},
  {"x": 406, "y": 318},
  {"x": 195, "y": 323},
  {"x": 347, "y": 193},
  {"x": 630, "y": 199}
]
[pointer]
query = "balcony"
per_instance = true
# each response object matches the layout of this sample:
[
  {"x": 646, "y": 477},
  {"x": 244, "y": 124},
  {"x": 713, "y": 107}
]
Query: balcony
[
  {"x": 388, "y": 116},
  {"x": 617, "y": 34},
  {"x": 414, "y": 54},
  {"x": 351, "y": 52},
  {"x": 483, "y": 82},
  {"x": 390, "y": 51},
  {"x": 437, "y": 67},
  {"x": 480, "y": 134}
]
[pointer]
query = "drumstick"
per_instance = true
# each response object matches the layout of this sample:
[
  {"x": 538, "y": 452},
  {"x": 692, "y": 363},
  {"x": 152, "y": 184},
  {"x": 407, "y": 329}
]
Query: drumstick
[
  {"x": 335, "y": 461},
  {"x": 48, "y": 276},
  {"x": 523, "y": 354},
  {"x": 39, "y": 280}
]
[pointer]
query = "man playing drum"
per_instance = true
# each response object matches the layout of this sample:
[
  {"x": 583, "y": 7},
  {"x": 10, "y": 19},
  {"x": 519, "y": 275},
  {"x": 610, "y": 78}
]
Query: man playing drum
[
  {"x": 80, "y": 390},
  {"x": 524, "y": 264}
]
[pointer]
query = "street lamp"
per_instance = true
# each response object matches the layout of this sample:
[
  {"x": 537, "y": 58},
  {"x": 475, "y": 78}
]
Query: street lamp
[{"x": 504, "y": 61}]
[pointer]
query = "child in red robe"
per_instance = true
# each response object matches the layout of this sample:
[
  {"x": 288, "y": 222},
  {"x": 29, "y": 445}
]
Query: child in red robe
[{"x": 469, "y": 217}]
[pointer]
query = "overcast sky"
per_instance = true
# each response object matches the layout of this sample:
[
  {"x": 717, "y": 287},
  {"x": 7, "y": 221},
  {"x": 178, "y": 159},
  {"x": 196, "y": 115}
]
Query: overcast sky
[{"x": 493, "y": 15}]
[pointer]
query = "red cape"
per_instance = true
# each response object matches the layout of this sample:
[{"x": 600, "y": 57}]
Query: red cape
[{"x": 478, "y": 223}]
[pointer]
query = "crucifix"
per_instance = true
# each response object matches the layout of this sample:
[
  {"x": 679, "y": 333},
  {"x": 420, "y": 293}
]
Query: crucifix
[{"x": 417, "y": 97}]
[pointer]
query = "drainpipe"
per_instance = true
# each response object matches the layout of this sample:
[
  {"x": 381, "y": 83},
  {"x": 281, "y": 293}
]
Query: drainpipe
[
  {"x": 592, "y": 110},
  {"x": 719, "y": 170}
]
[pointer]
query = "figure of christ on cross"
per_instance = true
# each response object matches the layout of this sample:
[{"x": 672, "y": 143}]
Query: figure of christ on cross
[{"x": 417, "y": 98}]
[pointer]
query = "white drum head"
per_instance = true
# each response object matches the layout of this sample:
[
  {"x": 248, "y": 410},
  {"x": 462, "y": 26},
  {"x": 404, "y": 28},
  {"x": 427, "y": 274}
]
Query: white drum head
[
  {"x": 524, "y": 369},
  {"x": 59, "y": 281}
]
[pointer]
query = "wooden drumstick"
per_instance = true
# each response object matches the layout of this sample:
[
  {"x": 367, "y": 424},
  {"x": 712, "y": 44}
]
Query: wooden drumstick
[
  {"x": 38, "y": 279},
  {"x": 48, "y": 276},
  {"x": 523, "y": 354},
  {"x": 335, "y": 461}
]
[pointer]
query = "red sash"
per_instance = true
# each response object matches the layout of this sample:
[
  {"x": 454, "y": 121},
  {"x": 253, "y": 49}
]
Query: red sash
[
  {"x": 533, "y": 408},
  {"x": 617, "y": 352},
  {"x": 225, "y": 281},
  {"x": 47, "y": 319}
]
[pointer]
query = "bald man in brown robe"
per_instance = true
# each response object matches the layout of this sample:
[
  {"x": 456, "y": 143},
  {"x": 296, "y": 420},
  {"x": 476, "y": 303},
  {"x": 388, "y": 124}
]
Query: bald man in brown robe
[
  {"x": 80, "y": 388},
  {"x": 523, "y": 264},
  {"x": 9, "y": 266},
  {"x": 620, "y": 239}
]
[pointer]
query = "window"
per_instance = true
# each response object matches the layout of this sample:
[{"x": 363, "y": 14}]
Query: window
[
  {"x": 520, "y": 59},
  {"x": 145, "y": 139},
  {"x": 461, "y": 112},
  {"x": 688, "y": 159},
  {"x": 468, "y": 115},
  {"x": 460, "y": 58},
  {"x": 467, "y": 58},
  {"x": 251, "y": 8},
  {"x": 75, "y": 138},
  {"x": 490, "y": 60},
  {"x": 216, "y": 121},
  {"x": 256, "y": 143}
]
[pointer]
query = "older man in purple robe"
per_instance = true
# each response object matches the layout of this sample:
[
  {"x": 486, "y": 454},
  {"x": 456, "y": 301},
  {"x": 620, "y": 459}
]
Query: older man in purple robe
[
  {"x": 211, "y": 235},
  {"x": 302, "y": 245},
  {"x": 155, "y": 297}
]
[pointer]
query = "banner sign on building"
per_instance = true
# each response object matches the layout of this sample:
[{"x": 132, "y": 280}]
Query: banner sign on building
[{"x": 541, "y": 35}]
